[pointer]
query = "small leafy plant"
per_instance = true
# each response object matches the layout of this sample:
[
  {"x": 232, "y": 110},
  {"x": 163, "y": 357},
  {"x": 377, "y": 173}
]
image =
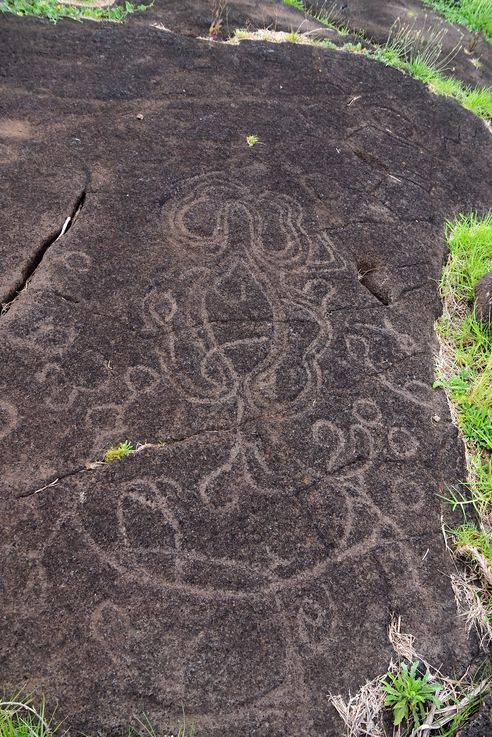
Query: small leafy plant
[
  {"x": 407, "y": 694},
  {"x": 117, "y": 453},
  {"x": 252, "y": 140}
]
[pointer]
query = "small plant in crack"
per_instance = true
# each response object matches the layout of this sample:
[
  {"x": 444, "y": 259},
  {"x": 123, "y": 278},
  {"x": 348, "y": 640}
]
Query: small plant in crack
[
  {"x": 252, "y": 140},
  {"x": 407, "y": 694},
  {"x": 293, "y": 36},
  {"x": 117, "y": 453}
]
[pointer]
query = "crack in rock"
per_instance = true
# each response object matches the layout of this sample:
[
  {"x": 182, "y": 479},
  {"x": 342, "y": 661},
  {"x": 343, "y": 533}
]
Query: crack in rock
[{"x": 36, "y": 260}]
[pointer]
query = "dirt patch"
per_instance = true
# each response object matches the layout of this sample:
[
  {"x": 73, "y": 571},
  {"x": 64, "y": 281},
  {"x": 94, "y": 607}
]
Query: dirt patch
[
  {"x": 267, "y": 312},
  {"x": 15, "y": 129}
]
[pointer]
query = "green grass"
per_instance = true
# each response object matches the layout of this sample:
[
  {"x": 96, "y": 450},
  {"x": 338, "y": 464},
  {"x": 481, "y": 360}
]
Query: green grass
[
  {"x": 298, "y": 4},
  {"x": 467, "y": 378},
  {"x": 19, "y": 718},
  {"x": 117, "y": 453},
  {"x": 477, "y": 99},
  {"x": 475, "y": 15},
  {"x": 241, "y": 34},
  {"x": 293, "y": 37},
  {"x": 467, "y": 535},
  {"x": 54, "y": 11}
]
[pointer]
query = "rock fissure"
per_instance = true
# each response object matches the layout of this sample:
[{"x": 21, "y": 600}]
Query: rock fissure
[
  {"x": 37, "y": 258},
  {"x": 55, "y": 479}
]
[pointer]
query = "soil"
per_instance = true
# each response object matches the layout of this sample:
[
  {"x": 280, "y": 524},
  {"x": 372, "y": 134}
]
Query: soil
[{"x": 265, "y": 314}]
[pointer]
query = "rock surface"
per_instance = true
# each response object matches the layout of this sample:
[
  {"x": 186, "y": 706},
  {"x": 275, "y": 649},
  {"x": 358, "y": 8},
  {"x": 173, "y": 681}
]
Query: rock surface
[
  {"x": 193, "y": 17},
  {"x": 483, "y": 298},
  {"x": 481, "y": 724},
  {"x": 267, "y": 313},
  {"x": 460, "y": 46}
]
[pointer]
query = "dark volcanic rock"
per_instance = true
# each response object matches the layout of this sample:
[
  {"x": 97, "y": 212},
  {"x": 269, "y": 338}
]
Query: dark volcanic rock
[
  {"x": 481, "y": 725},
  {"x": 460, "y": 46},
  {"x": 193, "y": 17},
  {"x": 483, "y": 298},
  {"x": 268, "y": 313}
]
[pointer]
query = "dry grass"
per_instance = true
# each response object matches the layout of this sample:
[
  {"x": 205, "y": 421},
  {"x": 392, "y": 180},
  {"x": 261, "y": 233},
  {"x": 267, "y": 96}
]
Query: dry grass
[
  {"x": 471, "y": 606},
  {"x": 266, "y": 34},
  {"x": 362, "y": 713}
]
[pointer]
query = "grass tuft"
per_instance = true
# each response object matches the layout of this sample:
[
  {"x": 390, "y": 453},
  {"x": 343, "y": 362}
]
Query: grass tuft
[
  {"x": 19, "y": 718},
  {"x": 419, "y": 52},
  {"x": 293, "y": 37},
  {"x": 252, "y": 140},
  {"x": 469, "y": 238},
  {"x": 117, "y": 453},
  {"x": 477, "y": 99}
]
